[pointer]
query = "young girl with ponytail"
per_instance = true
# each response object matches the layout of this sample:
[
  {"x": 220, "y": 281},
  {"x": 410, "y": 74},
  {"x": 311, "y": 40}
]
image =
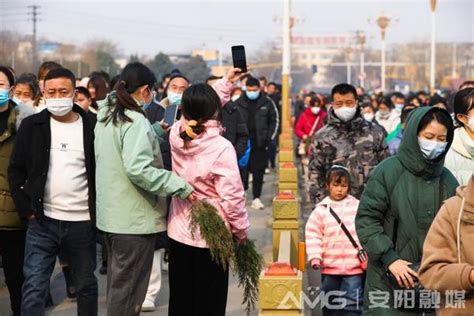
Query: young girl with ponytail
[{"x": 206, "y": 160}]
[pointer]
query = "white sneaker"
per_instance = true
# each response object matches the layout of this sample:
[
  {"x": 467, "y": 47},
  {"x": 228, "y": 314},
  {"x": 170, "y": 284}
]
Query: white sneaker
[
  {"x": 257, "y": 204},
  {"x": 250, "y": 178},
  {"x": 148, "y": 306}
]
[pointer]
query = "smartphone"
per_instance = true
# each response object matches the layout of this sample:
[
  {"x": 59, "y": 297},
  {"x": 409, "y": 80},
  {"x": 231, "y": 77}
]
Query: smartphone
[
  {"x": 170, "y": 114},
  {"x": 238, "y": 57}
]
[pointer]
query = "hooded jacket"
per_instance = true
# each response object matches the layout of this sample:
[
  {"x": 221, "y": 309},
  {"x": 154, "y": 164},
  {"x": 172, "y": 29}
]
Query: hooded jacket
[
  {"x": 460, "y": 158},
  {"x": 404, "y": 191},
  {"x": 131, "y": 182},
  {"x": 307, "y": 120},
  {"x": 444, "y": 266},
  {"x": 209, "y": 164},
  {"x": 357, "y": 145}
]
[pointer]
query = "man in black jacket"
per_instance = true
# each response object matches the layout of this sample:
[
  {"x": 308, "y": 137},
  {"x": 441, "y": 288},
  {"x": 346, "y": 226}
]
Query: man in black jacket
[
  {"x": 52, "y": 181},
  {"x": 235, "y": 128},
  {"x": 261, "y": 116}
]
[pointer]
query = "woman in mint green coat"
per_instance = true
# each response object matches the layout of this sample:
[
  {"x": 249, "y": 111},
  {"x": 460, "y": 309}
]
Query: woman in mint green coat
[{"x": 132, "y": 187}]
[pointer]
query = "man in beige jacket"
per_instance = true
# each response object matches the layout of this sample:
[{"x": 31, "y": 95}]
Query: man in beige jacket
[{"x": 448, "y": 252}]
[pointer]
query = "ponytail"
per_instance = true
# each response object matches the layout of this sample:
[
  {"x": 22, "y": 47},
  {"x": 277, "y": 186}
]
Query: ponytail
[
  {"x": 124, "y": 101},
  {"x": 191, "y": 130},
  {"x": 134, "y": 76}
]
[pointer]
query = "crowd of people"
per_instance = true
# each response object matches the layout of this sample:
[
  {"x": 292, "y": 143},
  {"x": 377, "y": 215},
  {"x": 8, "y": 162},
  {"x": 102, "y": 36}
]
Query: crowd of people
[
  {"x": 391, "y": 182},
  {"x": 87, "y": 161},
  {"x": 91, "y": 160}
]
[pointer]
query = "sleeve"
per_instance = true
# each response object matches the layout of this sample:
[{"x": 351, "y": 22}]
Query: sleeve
[
  {"x": 273, "y": 120},
  {"x": 317, "y": 172},
  {"x": 242, "y": 135},
  {"x": 382, "y": 150},
  {"x": 314, "y": 234},
  {"x": 18, "y": 173},
  {"x": 370, "y": 218},
  {"x": 299, "y": 128},
  {"x": 231, "y": 192},
  {"x": 440, "y": 269},
  {"x": 138, "y": 157},
  {"x": 223, "y": 88}
]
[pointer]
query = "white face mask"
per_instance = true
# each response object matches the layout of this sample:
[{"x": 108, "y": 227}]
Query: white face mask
[
  {"x": 369, "y": 117},
  {"x": 345, "y": 113},
  {"x": 470, "y": 122},
  {"x": 315, "y": 110},
  {"x": 59, "y": 106},
  {"x": 431, "y": 149},
  {"x": 384, "y": 114}
]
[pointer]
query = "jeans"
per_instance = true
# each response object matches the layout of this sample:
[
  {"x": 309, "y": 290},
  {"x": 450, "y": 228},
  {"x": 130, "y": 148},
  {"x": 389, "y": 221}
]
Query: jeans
[
  {"x": 45, "y": 239},
  {"x": 349, "y": 288}
]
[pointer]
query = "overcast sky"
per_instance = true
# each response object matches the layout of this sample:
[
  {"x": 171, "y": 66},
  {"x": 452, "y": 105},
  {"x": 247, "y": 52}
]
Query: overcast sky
[{"x": 147, "y": 27}]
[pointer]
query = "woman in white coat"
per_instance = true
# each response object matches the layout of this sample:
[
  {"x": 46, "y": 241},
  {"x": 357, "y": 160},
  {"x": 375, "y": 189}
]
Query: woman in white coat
[{"x": 460, "y": 158}]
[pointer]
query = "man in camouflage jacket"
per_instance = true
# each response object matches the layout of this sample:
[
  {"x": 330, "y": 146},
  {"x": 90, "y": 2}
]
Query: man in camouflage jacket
[{"x": 353, "y": 143}]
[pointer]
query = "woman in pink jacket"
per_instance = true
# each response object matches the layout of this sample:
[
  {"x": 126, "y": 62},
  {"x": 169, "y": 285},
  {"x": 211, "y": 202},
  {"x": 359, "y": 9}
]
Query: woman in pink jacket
[{"x": 198, "y": 286}]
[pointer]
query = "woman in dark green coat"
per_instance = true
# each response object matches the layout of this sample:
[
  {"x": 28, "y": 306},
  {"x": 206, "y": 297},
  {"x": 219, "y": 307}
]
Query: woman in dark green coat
[{"x": 398, "y": 206}]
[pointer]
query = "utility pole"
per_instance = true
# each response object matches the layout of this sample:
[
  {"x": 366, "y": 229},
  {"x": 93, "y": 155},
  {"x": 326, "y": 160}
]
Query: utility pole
[
  {"x": 383, "y": 21},
  {"x": 34, "y": 18},
  {"x": 433, "y": 46},
  {"x": 361, "y": 41}
]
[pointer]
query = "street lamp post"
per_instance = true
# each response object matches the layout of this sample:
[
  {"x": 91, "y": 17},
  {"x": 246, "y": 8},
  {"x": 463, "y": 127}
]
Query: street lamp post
[
  {"x": 286, "y": 64},
  {"x": 433, "y": 46},
  {"x": 383, "y": 22},
  {"x": 361, "y": 41},
  {"x": 348, "y": 52}
]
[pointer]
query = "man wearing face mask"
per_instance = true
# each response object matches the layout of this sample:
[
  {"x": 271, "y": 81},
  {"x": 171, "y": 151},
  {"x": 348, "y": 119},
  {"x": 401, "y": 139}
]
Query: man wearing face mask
[
  {"x": 347, "y": 140},
  {"x": 52, "y": 180},
  {"x": 262, "y": 119}
]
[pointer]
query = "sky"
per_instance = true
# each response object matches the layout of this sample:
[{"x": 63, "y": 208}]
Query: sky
[{"x": 146, "y": 27}]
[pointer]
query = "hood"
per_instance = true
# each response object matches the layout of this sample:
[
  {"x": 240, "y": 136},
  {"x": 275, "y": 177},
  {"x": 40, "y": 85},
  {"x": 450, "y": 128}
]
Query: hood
[
  {"x": 410, "y": 154},
  {"x": 467, "y": 192},
  {"x": 354, "y": 123},
  {"x": 104, "y": 107},
  {"x": 461, "y": 142},
  {"x": 197, "y": 145}
]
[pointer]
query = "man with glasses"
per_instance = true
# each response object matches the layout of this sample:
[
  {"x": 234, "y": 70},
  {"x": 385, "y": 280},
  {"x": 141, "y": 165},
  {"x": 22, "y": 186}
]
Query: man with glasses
[
  {"x": 348, "y": 140},
  {"x": 52, "y": 181}
]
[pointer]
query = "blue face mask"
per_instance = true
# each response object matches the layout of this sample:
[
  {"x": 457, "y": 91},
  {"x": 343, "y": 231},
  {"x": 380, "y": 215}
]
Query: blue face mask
[
  {"x": 174, "y": 98},
  {"x": 431, "y": 149},
  {"x": 253, "y": 95},
  {"x": 4, "y": 96}
]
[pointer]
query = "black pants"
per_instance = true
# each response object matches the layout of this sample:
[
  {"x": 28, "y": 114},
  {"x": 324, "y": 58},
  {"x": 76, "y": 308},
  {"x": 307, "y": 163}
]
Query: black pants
[
  {"x": 130, "y": 258},
  {"x": 257, "y": 164},
  {"x": 198, "y": 286},
  {"x": 12, "y": 243}
]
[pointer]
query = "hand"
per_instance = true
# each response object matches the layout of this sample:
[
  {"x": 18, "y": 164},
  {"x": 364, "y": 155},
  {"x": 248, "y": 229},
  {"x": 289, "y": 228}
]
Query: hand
[
  {"x": 234, "y": 74},
  {"x": 242, "y": 241},
  {"x": 30, "y": 217},
  {"x": 305, "y": 137},
  {"x": 471, "y": 277},
  {"x": 402, "y": 272},
  {"x": 192, "y": 198},
  {"x": 165, "y": 127}
]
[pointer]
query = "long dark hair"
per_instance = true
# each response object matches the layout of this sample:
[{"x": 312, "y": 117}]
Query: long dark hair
[
  {"x": 101, "y": 89},
  {"x": 200, "y": 103},
  {"x": 133, "y": 76}
]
